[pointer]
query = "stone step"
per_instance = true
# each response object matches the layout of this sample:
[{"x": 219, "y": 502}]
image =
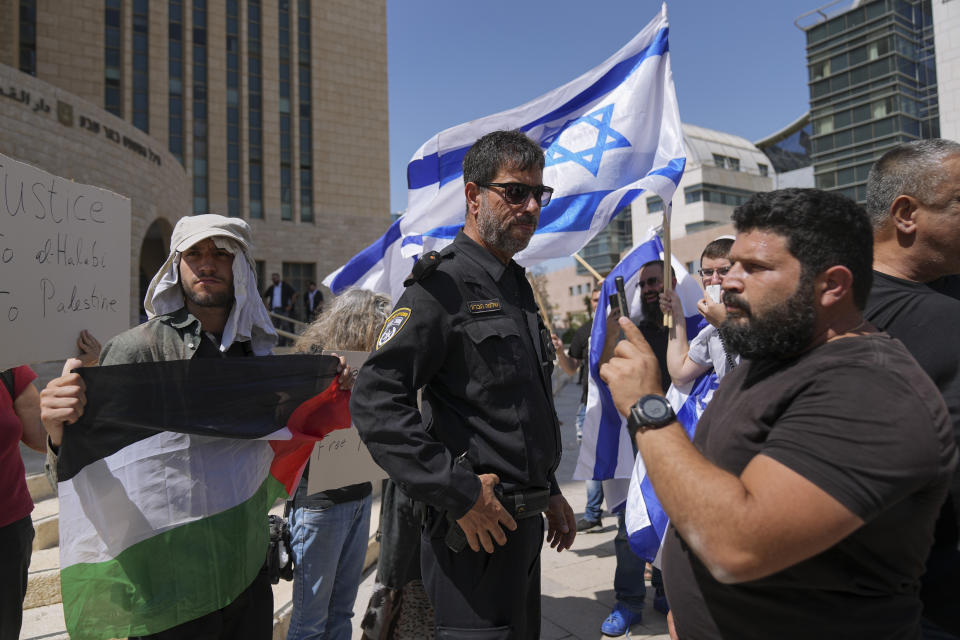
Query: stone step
[
  {"x": 43, "y": 579},
  {"x": 44, "y": 623},
  {"x": 39, "y": 487},
  {"x": 46, "y": 522}
]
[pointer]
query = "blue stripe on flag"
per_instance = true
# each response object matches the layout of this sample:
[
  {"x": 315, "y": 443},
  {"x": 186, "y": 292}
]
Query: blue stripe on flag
[
  {"x": 645, "y": 542},
  {"x": 608, "y": 438},
  {"x": 436, "y": 168},
  {"x": 673, "y": 170},
  {"x": 361, "y": 263}
]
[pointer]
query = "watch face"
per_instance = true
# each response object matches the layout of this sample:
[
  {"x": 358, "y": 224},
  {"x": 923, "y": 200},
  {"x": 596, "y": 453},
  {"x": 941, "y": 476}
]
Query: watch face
[{"x": 655, "y": 408}]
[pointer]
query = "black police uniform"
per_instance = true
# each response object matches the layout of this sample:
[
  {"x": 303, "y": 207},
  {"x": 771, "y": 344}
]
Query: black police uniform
[{"x": 467, "y": 332}]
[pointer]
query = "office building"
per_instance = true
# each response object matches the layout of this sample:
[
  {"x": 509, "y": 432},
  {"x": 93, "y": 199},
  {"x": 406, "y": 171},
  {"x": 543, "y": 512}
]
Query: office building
[
  {"x": 873, "y": 84},
  {"x": 273, "y": 111}
]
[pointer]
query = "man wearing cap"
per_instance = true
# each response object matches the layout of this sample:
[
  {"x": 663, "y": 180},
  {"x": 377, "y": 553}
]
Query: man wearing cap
[{"x": 202, "y": 303}]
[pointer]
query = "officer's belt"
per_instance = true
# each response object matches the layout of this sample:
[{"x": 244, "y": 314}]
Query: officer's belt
[{"x": 525, "y": 504}]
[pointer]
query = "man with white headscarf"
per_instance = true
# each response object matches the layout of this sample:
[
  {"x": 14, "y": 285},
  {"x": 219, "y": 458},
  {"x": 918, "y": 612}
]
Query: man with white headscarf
[{"x": 202, "y": 303}]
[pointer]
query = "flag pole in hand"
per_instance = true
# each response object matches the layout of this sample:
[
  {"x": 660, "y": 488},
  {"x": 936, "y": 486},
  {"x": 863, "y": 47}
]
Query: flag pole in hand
[{"x": 667, "y": 262}]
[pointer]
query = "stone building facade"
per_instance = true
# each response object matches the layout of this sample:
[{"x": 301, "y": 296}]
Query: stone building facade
[{"x": 273, "y": 111}]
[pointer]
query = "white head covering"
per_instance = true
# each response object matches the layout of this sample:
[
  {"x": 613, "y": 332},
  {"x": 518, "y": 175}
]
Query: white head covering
[{"x": 248, "y": 319}]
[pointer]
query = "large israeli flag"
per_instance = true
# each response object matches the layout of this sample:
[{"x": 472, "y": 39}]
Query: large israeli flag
[
  {"x": 608, "y": 136},
  {"x": 606, "y": 452}
]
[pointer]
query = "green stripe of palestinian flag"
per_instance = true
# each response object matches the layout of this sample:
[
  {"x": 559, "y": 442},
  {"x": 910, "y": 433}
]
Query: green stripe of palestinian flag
[
  {"x": 163, "y": 506},
  {"x": 147, "y": 589}
]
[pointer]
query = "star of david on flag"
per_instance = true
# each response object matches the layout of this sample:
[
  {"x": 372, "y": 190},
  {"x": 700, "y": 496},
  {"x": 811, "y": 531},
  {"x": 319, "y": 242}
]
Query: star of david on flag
[
  {"x": 610, "y": 135},
  {"x": 590, "y": 157}
]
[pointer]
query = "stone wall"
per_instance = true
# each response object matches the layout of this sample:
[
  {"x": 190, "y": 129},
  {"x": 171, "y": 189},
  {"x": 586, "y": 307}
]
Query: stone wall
[{"x": 67, "y": 136}]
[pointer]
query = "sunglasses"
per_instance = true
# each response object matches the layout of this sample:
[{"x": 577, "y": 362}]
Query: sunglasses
[
  {"x": 708, "y": 273},
  {"x": 518, "y": 193}
]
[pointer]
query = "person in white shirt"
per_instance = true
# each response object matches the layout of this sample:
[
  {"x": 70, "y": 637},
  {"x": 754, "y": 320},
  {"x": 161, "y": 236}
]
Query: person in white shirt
[{"x": 686, "y": 362}]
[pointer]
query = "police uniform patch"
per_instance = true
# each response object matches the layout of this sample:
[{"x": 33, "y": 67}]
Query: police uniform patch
[
  {"x": 393, "y": 324},
  {"x": 483, "y": 306}
]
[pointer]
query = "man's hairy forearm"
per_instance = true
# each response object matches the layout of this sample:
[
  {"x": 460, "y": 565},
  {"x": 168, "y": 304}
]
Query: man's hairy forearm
[{"x": 705, "y": 503}]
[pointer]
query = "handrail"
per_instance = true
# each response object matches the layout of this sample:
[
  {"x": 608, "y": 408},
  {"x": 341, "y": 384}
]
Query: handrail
[{"x": 288, "y": 319}]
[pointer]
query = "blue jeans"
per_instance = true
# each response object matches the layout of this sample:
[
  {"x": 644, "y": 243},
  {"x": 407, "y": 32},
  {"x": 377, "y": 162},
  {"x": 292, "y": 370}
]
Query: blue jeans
[
  {"x": 329, "y": 546},
  {"x": 594, "y": 508},
  {"x": 628, "y": 578}
]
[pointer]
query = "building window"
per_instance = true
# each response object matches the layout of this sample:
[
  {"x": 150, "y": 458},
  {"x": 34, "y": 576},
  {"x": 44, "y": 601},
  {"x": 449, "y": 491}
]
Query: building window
[
  {"x": 654, "y": 204},
  {"x": 726, "y": 162},
  {"x": 700, "y": 226},
  {"x": 286, "y": 137},
  {"x": 175, "y": 91},
  {"x": 28, "y": 36},
  {"x": 764, "y": 169},
  {"x": 261, "y": 271},
  {"x": 255, "y": 109},
  {"x": 571, "y": 291},
  {"x": 200, "y": 194},
  {"x": 233, "y": 107},
  {"x": 113, "y": 57},
  {"x": 299, "y": 274},
  {"x": 306, "y": 131},
  {"x": 717, "y": 194},
  {"x": 141, "y": 72}
]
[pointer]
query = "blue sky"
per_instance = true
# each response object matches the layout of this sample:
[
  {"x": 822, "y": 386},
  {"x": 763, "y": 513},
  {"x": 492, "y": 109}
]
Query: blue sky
[{"x": 738, "y": 66}]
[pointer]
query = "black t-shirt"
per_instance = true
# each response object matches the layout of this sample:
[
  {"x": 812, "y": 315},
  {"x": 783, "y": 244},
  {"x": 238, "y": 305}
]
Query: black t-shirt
[
  {"x": 859, "y": 419},
  {"x": 579, "y": 350},
  {"x": 926, "y": 322}
]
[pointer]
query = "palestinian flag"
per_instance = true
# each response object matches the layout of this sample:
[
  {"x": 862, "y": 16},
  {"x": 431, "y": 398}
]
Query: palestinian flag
[{"x": 166, "y": 481}]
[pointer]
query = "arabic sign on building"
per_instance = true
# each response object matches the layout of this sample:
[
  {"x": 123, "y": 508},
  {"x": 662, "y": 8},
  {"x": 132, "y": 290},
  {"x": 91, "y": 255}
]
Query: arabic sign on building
[{"x": 65, "y": 117}]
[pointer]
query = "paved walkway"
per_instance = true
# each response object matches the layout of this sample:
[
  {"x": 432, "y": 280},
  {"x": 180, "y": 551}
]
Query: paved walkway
[{"x": 577, "y": 584}]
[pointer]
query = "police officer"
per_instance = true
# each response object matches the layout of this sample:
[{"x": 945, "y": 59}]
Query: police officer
[{"x": 482, "y": 452}]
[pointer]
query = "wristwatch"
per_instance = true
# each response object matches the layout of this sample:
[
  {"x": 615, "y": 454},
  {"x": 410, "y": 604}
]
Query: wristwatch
[{"x": 650, "y": 412}]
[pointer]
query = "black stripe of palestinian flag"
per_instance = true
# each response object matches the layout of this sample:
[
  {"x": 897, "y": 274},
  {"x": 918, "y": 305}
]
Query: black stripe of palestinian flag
[{"x": 166, "y": 481}]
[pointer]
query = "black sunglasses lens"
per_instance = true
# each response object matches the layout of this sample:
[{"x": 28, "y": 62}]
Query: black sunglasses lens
[
  {"x": 516, "y": 193},
  {"x": 543, "y": 197}
]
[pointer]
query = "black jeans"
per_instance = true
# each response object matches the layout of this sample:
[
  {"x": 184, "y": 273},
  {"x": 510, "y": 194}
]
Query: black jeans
[
  {"x": 485, "y": 596},
  {"x": 249, "y": 617},
  {"x": 16, "y": 547}
]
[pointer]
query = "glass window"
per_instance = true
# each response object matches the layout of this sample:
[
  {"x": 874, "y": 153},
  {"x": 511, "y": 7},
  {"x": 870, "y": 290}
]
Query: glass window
[
  {"x": 819, "y": 70},
  {"x": 826, "y": 180},
  {"x": 863, "y": 133},
  {"x": 883, "y": 127},
  {"x": 654, "y": 204},
  {"x": 859, "y": 74},
  {"x": 823, "y": 126},
  {"x": 764, "y": 169},
  {"x": 200, "y": 103}
]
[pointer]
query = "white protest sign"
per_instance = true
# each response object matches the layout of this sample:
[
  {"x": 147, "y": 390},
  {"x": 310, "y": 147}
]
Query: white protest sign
[
  {"x": 64, "y": 264},
  {"x": 341, "y": 458}
]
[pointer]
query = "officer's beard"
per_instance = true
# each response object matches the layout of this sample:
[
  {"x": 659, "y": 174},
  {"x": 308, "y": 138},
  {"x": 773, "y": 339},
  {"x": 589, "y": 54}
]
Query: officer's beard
[{"x": 498, "y": 235}]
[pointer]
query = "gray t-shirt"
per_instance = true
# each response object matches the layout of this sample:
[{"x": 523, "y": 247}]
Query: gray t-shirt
[{"x": 858, "y": 418}]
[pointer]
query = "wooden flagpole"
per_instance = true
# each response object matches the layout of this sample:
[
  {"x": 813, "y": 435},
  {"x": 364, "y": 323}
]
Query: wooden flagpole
[
  {"x": 667, "y": 262},
  {"x": 586, "y": 265},
  {"x": 544, "y": 311}
]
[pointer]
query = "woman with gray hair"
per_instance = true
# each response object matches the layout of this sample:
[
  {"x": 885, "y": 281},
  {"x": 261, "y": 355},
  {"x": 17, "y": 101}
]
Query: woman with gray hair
[{"x": 330, "y": 529}]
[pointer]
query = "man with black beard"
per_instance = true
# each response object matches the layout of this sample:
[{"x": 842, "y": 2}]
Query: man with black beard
[
  {"x": 805, "y": 505},
  {"x": 482, "y": 452}
]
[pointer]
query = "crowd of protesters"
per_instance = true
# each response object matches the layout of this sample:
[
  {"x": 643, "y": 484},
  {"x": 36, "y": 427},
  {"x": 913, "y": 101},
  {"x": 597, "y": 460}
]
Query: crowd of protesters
[{"x": 819, "y": 494}]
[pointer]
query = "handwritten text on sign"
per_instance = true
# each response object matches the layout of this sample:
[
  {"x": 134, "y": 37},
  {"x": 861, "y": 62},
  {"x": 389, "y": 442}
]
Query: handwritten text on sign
[
  {"x": 64, "y": 264},
  {"x": 341, "y": 458}
]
